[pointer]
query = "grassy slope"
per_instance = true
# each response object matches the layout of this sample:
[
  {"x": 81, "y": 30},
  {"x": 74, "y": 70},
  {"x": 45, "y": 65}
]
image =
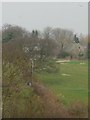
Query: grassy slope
[
  {"x": 26, "y": 103},
  {"x": 69, "y": 88}
]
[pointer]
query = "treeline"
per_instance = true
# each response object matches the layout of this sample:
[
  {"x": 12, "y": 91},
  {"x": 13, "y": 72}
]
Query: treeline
[{"x": 51, "y": 43}]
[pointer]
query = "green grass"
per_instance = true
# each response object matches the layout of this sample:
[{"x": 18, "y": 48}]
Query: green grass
[{"x": 68, "y": 88}]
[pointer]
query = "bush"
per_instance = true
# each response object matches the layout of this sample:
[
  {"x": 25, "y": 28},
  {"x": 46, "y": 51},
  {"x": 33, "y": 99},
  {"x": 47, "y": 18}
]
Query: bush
[
  {"x": 63, "y": 55},
  {"x": 49, "y": 66}
]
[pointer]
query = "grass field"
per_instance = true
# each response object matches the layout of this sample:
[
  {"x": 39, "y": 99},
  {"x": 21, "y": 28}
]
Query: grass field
[{"x": 70, "y": 84}]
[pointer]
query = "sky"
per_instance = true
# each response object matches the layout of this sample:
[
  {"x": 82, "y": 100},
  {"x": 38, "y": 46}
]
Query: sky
[{"x": 38, "y": 15}]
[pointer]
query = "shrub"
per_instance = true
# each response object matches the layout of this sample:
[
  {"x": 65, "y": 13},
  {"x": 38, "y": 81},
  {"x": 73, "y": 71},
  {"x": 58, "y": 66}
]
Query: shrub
[{"x": 49, "y": 66}]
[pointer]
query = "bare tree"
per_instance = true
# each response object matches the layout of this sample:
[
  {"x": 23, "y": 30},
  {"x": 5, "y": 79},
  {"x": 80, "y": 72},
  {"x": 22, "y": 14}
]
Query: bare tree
[
  {"x": 47, "y": 32},
  {"x": 64, "y": 38}
]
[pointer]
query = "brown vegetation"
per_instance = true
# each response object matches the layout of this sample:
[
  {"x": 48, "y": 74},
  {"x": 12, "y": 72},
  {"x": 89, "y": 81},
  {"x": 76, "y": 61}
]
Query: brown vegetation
[{"x": 52, "y": 106}]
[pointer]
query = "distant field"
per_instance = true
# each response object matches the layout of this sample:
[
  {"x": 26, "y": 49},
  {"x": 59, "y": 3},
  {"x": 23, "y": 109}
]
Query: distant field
[{"x": 70, "y": 84}]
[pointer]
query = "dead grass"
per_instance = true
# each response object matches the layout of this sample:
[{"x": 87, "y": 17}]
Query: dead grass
[
  {"x": 52, "y": 106},
  {"x": 78, "y": 110},
  {"x": 43, "y": 103}
]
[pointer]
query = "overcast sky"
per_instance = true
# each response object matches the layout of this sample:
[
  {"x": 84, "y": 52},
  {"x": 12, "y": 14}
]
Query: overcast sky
[{"x": 73, "y": 16}]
